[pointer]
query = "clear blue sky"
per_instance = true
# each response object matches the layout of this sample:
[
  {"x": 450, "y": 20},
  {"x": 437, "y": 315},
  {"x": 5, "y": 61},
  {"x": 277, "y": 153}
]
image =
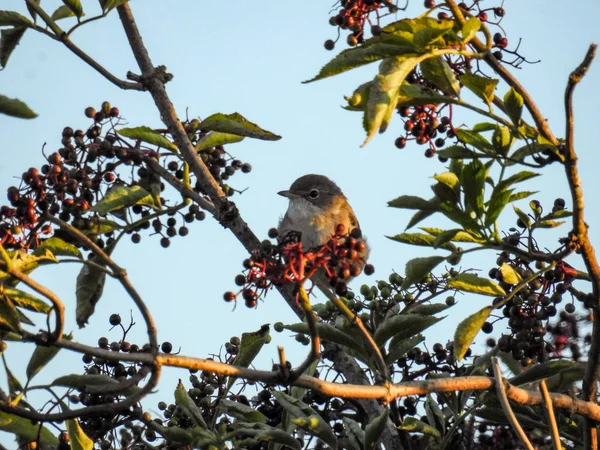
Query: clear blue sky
[{"x": 250, "y": 57}]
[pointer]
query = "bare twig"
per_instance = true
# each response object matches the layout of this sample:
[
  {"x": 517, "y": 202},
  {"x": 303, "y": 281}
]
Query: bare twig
[
  {"x": 550, "y": 414},
  {"x": 502, "y": 397},
  {"x": 581, "y": 241}
]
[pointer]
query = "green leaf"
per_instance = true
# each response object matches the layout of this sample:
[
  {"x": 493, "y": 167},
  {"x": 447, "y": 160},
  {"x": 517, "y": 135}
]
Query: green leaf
[
  {"x": 26, "y": 300},
  {"x": 75, "y": 6},
  {"x": 242, "y": 412},
  {"x": 8, "y": 18},
  {"x": 81, "y": 382},
  {"x": 31, "y": 10},
  {"x": 27, "y": 430},
  {"x": 250, "y": 346},
  {"x": 371, "y": 50},
  {"x": 428, "y": 309},
  {"x": 496, "y": 204},
  {"x": 513, "y": 103},
  {"x": 236, "y": 124},
  {"x": 329, "y": 333},
  {"x": 360, "y": 97},
  {"x": 9, "y": 39},
  {"x": 25, "y": 262},
  {"x": 548, "y": 224},
  {"x": 57, "y": 247},
  {"x": 413, "y": 202},
  {"x": 121, "y": 196},
  {"x": 509, "y": 275},
  {"x": 521, "y": 195},
  {"x": 502, "y": 140},
  {"x": 475, "y": 139},
  {"x": 417, "y": 95},
  {"x": 261, "y": 433},
  {"x": 470, "y": 29},
  {"x": 447, "y": 178},
  {"x": 429, "y": 30},
  {"x": 470, "y": 282},
  {"x": 101, "y": 226},
  {"x": 400, "y": 346},
  {"x": 484, "y": 126},
  {"x": 421, "y": 239},
  {"x": 78, "y": 439},
  {"x": 457, "y": 151},
  {"x": 517, "y": 178},
  {"x": 354, "y": 434},
  {"x": 542, "y": 370},
  {"x": 437, "y": 71},
  {"x": 527, "y": 150},
  {"x": 148, "y": 135},
  {"x": 383, "y": 94},
  {"x": 468, "y": 329},
  {"x": 456, "y": 235},
  {"x": 40, "y": 357},
  {"x": 185, "y": 402},
  {"x": 413, "y": 425},
  {"x": 523, "y": 216},
  {"x": 62, "y": 12},
  {"x": 14, "y": 385},
  {"x": 418, "y": 268},
  {"x": 88, "y": 290},
  {"x": 375, "y": 428},
  {"x": 9, "y": 315},
  {"x": 418, "y": 217},
  {"x": 14, "y": 107},
  {"x": 472, "y": 180},
  {"x": 310, "y": 420},
  {"x": 403, "y": 326},
  {"x": 481, "y": 86},
  {"x": 216, "y": 138}
]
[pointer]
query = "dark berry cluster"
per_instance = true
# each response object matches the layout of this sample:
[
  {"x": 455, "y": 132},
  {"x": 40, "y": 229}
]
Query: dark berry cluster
[
  {"x": 286, "y": 262},
  {"x": 421, "y": 124},
  {"x": 354, "y": 16}
]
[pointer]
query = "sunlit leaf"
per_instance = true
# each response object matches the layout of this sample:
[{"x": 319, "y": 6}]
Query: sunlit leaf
[
  {"x": 15, "y": 108},
  {"x": 236, "y": 124},
  {"x": 468, "y": 329},
  {"x": 418, "y": 268},
  {"x": 75, "y": 6},
  {"x": 148, "y": 135},
  {"x": 78, "y": 440},
  {"x": 513, "y": 102},
  {"x": 413, "y": 425},
  {"x": 216, "y": 138},
  {"x": 481, "y": 86},
  {"x": 28, "y": 431},
  {"x": 9, "y": 315},
  {"x": 421, "y": 239},
  {"x": 121, "y": 196},
  {"x": 470, "y": 282},
  {"x": 437, "y": 71},
  {"x": 26, "y": 300},
  {"x": 470, "y": 28},
  {"x": 496, "y": 205},
  {"x": 58, "y": 247}
]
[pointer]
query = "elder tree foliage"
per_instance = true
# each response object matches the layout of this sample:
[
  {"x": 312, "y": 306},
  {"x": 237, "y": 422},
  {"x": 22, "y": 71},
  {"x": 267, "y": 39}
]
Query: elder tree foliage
[{"x": 370, "y": 378}]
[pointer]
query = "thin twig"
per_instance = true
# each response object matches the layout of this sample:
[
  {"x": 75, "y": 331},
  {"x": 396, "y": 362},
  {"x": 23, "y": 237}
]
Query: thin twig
[
  {"x": 502, "y": 397},
  {"x": 582, "y": 242},
  {"x": 550, "y": 413},
  {"x": 309, "y": 316}
]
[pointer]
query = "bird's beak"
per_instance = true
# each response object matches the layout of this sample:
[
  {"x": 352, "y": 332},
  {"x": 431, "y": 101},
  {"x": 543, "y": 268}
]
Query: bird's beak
[{"x": 288, "y": 194}]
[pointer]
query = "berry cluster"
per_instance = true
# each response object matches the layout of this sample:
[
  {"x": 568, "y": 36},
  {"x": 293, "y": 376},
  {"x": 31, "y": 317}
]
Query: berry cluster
[
  {"x": 354, "y": 15},
  {"x": 286, "y": 262},
  {"x": 81, "y": 172},
  {"x": 421, "y": 124}
]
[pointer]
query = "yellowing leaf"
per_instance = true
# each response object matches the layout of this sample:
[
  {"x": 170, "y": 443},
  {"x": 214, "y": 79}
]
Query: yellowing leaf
[{"x": 468, "y": 329}]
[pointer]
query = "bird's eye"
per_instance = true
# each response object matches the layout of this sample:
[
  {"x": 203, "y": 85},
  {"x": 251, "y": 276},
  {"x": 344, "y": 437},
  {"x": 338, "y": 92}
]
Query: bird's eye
[{"x": 313, "y": 193}]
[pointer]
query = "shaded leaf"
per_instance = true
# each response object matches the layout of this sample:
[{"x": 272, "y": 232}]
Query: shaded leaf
[
  {"x": 40, "y": 357},
  {"x": 521, "y": 195},
  {"x": 75, "y": 6},
  {"x": 261, "y": 433},
  {"x": 542, "y": 370},
  {"x": 28, "y": 431},
  {"x": 88, "y": 290},
  {"x": 417, "y": 95},
  {"x": 329, "y": 333},
  {"x": 502, "y": 140},
  {"x": 313, "y": 422},
  {"x": 184, "y": 401},
  {"x": 78, "y": 439},
  {"x": 499, "y": 199},
  {"x": 472, "y": 179},
  {"x": 121, "y": 196},
  {"x": 517, "y": 178},
  {"x": 428, "y": 309},
  {"x": 480, "y": 86},
  {"x": 14, "y": 107},
  {"x": 470, "y": 28},
  {"x": 62, "y": 12},
  {"x": 403, "y": 326},
  {"x": 216, "y": 138},
  {"x": 31, "y": 10},
  {"x": 241, "y": 411},
  {"x": 250, "y": 346},
  {"x": 418, "y": 268},
  {"x": 527, "y": 150},
  {"x": 468, "y": 329},
  {"x": 456, "y": 235},
  {"x": 513, "y": 103},
  {"x": 107, "y": 5},
  {"x": 400, "y": 347},
  {"x": 413, "y": 425},
  {"x": 101, "y": 226},
  {"x": 375, "y": 428},
  {"x": 383, "y": 94},
  {"x": 437, "y": 71},
  {"x": 9, "y": 39},
  {"x": 354, "y": 434},
  {"x": 470, "y": 282},
  {"x": 236, "y": 124},
  {"x": 9, "y": 315},
  {"x": 57, "y": 247},
  {"x": 457, "y": 151},
  {"x": 148, "y": 135},
  {"x": 421, "y": 239},
  {"x": 371, "y": 50},
  {"x": 8, "y": 18},
  {"x": 475, "y": 139},
  {"x": 26, "y": 300},
  {"x": 418, "y": 217},
  {"x": 509, "y": 275},
  {"x": 413, "y": 202}
]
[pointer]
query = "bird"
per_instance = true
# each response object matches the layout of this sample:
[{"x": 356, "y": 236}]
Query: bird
[{"x": 317, "y": 207}]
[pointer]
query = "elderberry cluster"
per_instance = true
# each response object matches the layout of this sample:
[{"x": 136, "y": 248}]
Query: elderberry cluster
[
  {"x": 286, "y": 262},
  {"x": 421, "y": 124}
]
